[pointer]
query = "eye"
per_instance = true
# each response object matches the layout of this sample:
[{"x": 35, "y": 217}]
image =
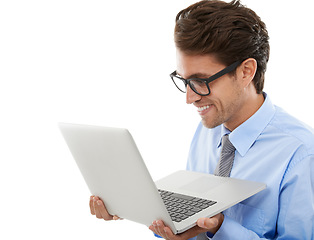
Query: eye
[{"x": 198, "y": 82}]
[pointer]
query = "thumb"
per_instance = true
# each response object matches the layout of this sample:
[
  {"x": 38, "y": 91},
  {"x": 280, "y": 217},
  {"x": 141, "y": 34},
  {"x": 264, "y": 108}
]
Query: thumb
[{"x": 207, "y": 223}]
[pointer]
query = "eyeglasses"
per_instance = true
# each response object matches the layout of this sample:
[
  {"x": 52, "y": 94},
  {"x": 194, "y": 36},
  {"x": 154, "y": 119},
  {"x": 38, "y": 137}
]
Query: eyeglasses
[{"x": 200, "y": 85}]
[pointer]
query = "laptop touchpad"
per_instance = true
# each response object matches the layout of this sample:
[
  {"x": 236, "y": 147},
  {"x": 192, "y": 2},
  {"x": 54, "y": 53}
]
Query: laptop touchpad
[{"x": 203, "y": 184}]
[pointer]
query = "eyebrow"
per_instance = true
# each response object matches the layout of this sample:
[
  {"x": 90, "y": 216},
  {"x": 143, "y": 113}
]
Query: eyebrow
[{"x": 196, "y": 75}]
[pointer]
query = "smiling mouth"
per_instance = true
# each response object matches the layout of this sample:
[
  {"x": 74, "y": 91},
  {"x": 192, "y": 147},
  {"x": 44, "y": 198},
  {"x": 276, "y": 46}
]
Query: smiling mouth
[{"x": 201, "y": 109}]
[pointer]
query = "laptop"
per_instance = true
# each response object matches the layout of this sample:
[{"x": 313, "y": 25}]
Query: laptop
[{"x": 114, "y": 170}]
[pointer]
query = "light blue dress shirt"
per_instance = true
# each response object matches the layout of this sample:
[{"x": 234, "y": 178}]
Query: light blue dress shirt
[{"x": 274, "y": 148}]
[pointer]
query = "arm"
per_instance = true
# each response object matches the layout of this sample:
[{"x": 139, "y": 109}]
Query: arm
[
  {"x": 295, "y": 214},
  {"x": 296, "y": 208}
]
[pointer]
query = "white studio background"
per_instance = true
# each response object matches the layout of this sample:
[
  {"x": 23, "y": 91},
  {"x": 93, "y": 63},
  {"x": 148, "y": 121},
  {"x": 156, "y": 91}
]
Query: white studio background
[{"x": 108, "y": 63}]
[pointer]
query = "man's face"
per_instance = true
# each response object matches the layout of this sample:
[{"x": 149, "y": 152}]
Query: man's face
[{"x": 225, "y": 102}]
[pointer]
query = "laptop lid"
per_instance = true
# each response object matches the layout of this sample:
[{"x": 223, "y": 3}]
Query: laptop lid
[{"x": 114, "y": 170}]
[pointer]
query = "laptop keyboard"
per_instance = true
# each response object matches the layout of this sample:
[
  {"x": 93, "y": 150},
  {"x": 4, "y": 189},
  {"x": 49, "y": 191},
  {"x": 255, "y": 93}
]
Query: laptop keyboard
[{"x": 180, "y": 207}]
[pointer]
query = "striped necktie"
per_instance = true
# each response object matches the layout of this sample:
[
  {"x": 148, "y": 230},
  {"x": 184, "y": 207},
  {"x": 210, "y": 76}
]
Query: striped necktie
[
  {"x": 224, "y": 166},
  {"x": 225, "y": 163}
]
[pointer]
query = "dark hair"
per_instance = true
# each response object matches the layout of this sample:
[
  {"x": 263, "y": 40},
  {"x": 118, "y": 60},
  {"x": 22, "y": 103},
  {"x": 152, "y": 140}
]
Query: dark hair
[{"x": 229, "y": 31}]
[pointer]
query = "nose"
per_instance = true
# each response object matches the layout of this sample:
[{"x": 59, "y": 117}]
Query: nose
[{"x": 191, "y": 96}]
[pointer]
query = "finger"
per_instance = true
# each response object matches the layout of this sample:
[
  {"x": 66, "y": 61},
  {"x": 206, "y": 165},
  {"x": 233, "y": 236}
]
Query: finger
[
  {"x": 168, "y": 233},
  {"x": 97, "y": 210},
  {"x": 102, "y": 210},
  {"x": 97, "y": 207},
  {"x": 207, "y": 223},
  {"x": 91, "y": 205},
  {"x": 165, "y": 231},
  {"x": 152, "y": 228},
  {"x": 156, "y": 229},
  {"x": 115, "y": 217}
]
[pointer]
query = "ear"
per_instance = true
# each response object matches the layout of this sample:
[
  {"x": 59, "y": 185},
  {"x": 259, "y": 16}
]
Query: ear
[{"x": 247, "y": 71}]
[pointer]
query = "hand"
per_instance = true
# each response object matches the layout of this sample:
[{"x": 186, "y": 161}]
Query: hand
[
  {"x": 203, "y": 225},
  {"x": 98, "y": 208}
]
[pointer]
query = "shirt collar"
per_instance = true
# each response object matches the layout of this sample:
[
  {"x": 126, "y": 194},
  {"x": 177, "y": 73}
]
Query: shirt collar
[{"x": 244, "y": 136}]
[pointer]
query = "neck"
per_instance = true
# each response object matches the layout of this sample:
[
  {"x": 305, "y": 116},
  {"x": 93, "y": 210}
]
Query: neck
[{"x": 251, "y": 104}]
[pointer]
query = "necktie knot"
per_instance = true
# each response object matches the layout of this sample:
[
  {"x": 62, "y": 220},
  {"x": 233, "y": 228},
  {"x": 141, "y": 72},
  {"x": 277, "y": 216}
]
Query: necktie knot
[{"x": 227, "y": 146}]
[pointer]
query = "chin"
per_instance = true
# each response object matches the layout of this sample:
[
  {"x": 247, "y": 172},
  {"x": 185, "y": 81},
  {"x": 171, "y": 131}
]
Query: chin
[{"x": 210, "y": 124}]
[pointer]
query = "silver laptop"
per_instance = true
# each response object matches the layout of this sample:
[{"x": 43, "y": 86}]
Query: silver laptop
[{"x": 115, "y": 171}]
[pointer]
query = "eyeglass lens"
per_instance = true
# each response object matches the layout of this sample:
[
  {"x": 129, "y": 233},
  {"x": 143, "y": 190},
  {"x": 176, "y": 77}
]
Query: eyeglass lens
[{"x": 197, "y": 85}]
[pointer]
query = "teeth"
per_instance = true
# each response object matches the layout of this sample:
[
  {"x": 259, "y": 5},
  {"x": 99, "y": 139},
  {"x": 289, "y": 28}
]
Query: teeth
[{"x": 202, "y": 108}]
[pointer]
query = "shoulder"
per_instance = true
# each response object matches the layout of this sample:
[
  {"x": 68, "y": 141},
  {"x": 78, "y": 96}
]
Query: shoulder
[
  {"x": 292, "y": 129},
  {"x": 294, "y": 138}
]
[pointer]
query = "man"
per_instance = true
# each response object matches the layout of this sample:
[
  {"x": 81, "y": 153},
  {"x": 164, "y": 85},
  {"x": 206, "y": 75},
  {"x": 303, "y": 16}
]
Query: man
[{"x": 269, "y": 145}]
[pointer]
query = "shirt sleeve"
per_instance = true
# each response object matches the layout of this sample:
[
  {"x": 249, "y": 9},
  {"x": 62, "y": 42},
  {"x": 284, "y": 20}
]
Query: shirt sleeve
[
  {"x": 231, "y": 229},
  {"x": 296, "y": 215},
  {"x": 296, "y": 212}
]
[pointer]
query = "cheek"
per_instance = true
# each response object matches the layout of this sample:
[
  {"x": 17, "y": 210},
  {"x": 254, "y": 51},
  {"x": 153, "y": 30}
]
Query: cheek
[
  {"x": 233, "y": 102},
  {"x": 226, "y": 96},
  {"x": 219, "y": 94},
  {"x": 222, "y": 86}
]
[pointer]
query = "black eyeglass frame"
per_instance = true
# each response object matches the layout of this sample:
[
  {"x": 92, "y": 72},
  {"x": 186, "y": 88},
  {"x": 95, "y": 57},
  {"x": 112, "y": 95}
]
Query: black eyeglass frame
[{"x": 186, "y": 82}]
